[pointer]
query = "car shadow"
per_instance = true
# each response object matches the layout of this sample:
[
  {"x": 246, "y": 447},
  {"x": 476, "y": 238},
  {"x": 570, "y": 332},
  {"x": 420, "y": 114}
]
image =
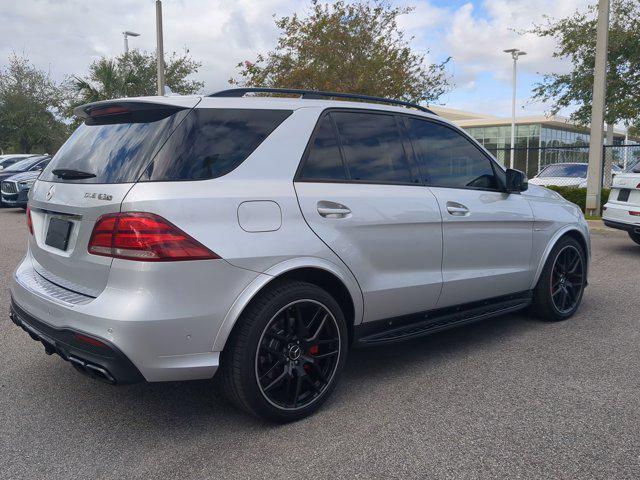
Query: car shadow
[
  {"x": 631, "y": 248},
  {"x": 172, "y": 405}
]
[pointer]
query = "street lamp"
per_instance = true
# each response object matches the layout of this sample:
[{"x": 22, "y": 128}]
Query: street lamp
[
  {"x": 126, "y": 40},
  {"x": 515, "y": 53},
  {"x": 159, "y": 48}
]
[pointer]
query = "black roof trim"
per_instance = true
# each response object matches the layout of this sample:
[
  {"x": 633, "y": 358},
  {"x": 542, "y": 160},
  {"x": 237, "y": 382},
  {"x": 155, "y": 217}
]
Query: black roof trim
[{"x": 316, "y": 95}]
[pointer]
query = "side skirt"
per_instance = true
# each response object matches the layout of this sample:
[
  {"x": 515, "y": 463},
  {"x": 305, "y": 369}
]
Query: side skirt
[{"x": 424, "y": 323}]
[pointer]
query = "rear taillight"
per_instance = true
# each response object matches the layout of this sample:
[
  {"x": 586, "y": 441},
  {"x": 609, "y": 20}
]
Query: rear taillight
[
  {"x": 635, "y": 214},
  {"x": 29, "y": 222},
  {"x": 144, "y": 237}
]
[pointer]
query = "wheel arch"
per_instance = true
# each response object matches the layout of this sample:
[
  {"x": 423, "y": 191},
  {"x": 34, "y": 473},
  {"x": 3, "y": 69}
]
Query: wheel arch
[
  {"x": 567, "y": 231},
  {"x": 339, "y": 283}
]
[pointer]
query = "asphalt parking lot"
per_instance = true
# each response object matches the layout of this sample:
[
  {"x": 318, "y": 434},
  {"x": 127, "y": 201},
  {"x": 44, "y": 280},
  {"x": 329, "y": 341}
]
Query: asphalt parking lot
[{"x": 507, "y": 398}]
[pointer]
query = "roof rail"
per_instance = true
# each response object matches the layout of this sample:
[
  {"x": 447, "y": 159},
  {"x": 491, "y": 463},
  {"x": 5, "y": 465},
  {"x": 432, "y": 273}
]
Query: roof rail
[{"x": 316, "y": 94}]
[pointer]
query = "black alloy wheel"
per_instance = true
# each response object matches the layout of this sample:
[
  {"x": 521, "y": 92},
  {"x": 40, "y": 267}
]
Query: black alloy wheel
[
  {"x": 562, "y": 281},
  {"x": 284, "y": 357},
  {"x": 297, "y": 354},
  {"x": 567, "y": 279}
]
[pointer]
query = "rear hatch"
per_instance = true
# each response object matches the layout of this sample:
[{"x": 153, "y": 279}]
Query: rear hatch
[
  {"x": 626, "y": 189},
  {"x": 89, "y": 177}
]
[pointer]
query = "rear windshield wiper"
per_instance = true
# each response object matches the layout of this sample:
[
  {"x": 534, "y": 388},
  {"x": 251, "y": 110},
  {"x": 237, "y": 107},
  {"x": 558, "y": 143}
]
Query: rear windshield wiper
[{"x": 67, "y": 174}]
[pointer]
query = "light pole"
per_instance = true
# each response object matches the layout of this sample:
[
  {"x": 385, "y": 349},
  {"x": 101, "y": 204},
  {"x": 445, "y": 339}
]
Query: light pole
[
  {"x": 126, "y": 35},
  {"x": 515, "y": 53},
  {"x": 159, "y": 48},
  {"x": 594, "y": 173}
]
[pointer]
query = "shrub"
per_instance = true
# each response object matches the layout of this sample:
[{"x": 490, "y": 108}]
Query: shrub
[{"x": 579, "y": 195}]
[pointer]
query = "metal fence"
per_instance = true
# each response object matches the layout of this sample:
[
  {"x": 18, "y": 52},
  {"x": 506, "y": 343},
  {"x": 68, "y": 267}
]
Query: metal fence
[{"x": 567, "y": 165}]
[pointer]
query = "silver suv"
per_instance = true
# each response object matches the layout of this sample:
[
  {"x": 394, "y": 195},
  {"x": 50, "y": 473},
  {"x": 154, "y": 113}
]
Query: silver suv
[{"x": 172, "y": 237}]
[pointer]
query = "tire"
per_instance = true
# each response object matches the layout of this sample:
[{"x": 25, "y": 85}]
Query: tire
[
  {"x": 635, "y": 237},
  {"x": 549, "y": 300},
  {"x": 292, "y": 338}
]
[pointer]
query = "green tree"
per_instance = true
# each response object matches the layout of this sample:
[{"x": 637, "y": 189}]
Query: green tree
[
  {"x": 576, "y": 41},
  {"x": 133, "y": 74},
  {"x": 31, "y": 106},
  {"x": 346, "y": 47}
]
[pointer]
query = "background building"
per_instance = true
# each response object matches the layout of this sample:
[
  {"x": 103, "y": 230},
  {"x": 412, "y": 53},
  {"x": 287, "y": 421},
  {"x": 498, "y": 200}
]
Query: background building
[{"x": 539, "y": 141}]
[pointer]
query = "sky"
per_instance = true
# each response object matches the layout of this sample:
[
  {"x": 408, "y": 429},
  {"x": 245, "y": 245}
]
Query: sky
[{"x": 65, "y": 36}]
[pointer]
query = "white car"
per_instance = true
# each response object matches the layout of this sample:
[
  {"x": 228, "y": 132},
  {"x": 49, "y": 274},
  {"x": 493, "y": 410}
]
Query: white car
[
  {"x": 566, "y": 175},
  {"x": 262, "y": 237},
  {"x": 622, "y": 210}
]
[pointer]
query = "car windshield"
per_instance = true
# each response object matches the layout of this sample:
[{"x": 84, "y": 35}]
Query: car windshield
[
  {"x": 634, "y": 166},
  {"x": 6, "y": 162},
  {"x": 22, "y": 165},
  {"x": 39, "y": 166},
  {"x": 578, "y": 170}
]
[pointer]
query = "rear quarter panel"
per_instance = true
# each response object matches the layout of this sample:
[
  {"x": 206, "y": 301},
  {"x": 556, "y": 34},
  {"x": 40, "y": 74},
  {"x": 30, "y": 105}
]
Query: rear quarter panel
[{"x": 214, "y": 211}]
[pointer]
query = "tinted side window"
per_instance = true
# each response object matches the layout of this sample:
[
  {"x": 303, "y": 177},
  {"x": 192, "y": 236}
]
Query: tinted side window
[
  {"x": 210, "y": 143},
  {"x": 448, "y": 159},
  {"x": 324, "y": 161},
  {"x": 372, "y": 147}
]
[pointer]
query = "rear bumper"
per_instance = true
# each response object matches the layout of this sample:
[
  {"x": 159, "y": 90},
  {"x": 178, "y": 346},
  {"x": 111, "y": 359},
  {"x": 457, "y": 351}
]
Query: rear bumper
[
  {"x": 616, "y": 215},
  {"x": 165, "y": 327},
  {"x": 627, "y": 227},
  {"x": 105, "y": 363}
]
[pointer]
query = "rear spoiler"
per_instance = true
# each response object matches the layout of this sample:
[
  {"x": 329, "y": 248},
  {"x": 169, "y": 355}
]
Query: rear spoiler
[{"x": 125, "y": 111}]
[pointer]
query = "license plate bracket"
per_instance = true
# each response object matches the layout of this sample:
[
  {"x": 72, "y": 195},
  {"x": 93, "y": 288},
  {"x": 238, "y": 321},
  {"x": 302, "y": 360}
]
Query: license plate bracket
[{"x": 58, "y": 233}]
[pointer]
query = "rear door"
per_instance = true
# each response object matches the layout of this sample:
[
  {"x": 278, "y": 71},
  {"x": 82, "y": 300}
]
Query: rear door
[
  {"x": 89, "y": 177},
  {"x": 361, "y": 194},
  {"x": 487, "y": 233}
]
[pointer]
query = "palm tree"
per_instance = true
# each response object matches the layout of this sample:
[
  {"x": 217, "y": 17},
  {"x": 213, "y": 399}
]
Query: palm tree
[
  {"x": 105, "y": 82},
  {"x": 133, "y": 74}
]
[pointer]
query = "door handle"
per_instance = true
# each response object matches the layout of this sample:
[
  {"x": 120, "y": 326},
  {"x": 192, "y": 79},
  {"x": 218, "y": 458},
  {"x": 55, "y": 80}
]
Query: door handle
[
  {"x": 457, "y": 209},
  {"x": 333, "y": 210}
]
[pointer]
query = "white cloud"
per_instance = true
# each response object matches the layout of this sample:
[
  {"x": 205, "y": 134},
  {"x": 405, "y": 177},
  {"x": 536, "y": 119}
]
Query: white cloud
[
  {"x": 422, "y": 18},
  {"x": 476, "y": 40},
  {"x": 66, "y": 35}
]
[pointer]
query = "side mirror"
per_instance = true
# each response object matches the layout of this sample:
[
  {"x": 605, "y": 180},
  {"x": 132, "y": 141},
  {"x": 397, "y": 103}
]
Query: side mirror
[{"x": 516, "y": 181}]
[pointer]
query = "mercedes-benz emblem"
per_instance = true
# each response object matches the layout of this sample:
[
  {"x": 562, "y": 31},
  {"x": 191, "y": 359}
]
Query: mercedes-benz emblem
[
  {"x": 294, "y": 352},
  {"x": 51, "y": 191}
]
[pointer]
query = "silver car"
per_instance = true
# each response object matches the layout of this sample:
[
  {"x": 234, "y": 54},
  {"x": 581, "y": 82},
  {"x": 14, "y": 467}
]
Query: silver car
[{"x": 263, "y": 237}]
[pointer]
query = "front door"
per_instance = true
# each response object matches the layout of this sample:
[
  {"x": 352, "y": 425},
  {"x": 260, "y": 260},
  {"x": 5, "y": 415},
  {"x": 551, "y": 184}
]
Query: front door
[
  {"x": 487, "y": 233},
  {"x": 361, "y": 194}
]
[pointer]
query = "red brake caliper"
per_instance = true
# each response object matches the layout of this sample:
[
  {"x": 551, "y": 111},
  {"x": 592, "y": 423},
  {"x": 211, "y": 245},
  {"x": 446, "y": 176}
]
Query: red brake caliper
[{"x": 313, "y": 350}]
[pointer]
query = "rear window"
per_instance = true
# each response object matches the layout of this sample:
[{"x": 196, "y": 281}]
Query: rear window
[
  {"x": 113, "y": 152},
  {"x": 186, "y": 145}
]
